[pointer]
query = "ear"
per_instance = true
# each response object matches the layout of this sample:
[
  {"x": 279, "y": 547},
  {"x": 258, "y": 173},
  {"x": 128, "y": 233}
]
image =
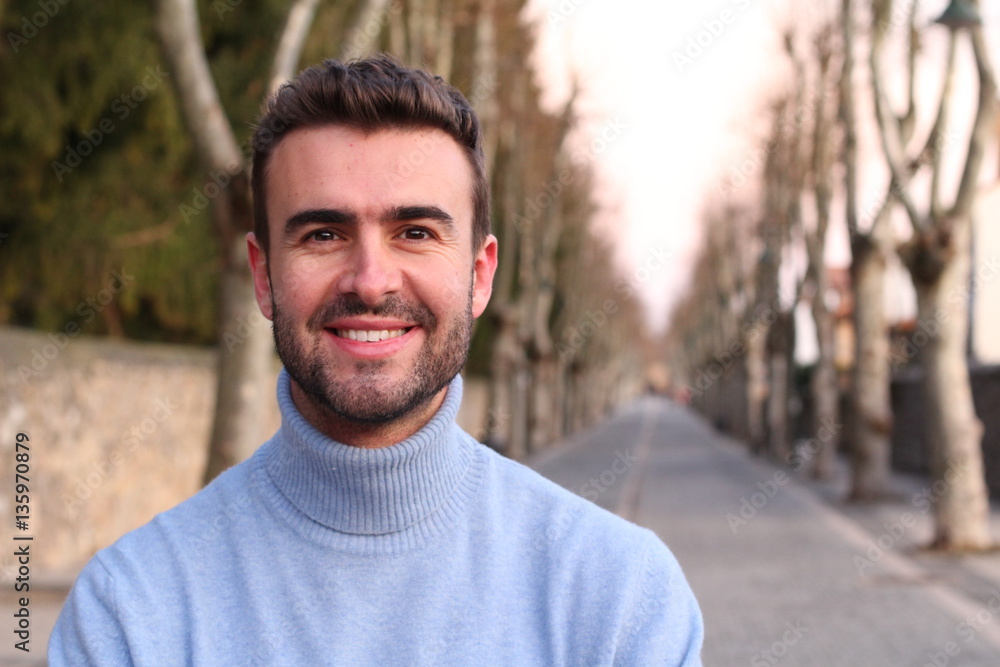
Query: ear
[
  {"x": 483, "y": 269},
  {"x": 261, "y": 281}
]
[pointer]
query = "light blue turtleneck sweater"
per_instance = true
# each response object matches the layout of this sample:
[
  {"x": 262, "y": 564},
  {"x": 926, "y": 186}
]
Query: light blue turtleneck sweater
[{"x": 435, "y": 551}]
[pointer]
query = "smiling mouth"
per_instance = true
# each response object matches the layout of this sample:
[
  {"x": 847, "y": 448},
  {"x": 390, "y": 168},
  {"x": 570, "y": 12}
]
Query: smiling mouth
[{"x": 369, "y": 335}]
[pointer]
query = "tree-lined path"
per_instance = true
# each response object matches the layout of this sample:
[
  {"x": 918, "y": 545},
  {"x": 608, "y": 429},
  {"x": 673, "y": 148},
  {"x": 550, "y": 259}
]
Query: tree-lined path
[{"x": 785, "y": 577}]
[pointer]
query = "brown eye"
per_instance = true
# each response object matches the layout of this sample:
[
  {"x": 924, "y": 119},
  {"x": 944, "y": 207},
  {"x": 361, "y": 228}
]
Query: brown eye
[
  {"x": 416, "y": 234},
  {"x": 321, "y": 235}
]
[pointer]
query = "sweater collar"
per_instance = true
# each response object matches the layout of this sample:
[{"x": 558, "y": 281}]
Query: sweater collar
[{"x": 368, "y": 491}]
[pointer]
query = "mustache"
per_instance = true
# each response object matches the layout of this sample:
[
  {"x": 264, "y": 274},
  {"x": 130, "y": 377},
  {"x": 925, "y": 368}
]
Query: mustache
[{"x": 394, "y": 306}]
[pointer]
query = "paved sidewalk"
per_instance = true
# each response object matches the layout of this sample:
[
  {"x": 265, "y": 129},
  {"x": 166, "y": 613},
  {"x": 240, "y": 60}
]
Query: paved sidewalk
[{"x": 798, "y": 578}]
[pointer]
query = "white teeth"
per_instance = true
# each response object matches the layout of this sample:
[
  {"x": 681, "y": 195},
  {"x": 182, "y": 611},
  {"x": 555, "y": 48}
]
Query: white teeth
[{"x": 369, "y": 336}]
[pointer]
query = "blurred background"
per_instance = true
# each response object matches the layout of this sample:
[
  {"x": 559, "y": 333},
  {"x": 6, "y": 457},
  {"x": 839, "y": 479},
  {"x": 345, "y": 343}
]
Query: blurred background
[{"x": 779, "y": 216}]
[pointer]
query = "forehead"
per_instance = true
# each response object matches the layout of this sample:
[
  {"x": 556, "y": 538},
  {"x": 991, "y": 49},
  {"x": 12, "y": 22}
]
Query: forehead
[{"x": 344, "y": 167}]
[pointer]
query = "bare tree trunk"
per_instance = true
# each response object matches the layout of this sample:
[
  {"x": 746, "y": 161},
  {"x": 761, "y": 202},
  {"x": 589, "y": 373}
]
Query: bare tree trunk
[
  {"x": 779, "y": 366},
  {"x": 520, "y": 385},
  {"x": 486, "y": 81},
  {"x": 825, "y": 388},
  {"x": 502, "y": 370},
  {"x": 245, "y": 362},
  {"x": 444, "y": 34},
  {"x": 362, "y": 36},
  {"x": 954, "y": 432},
  {"x": 938, "y": 260},
  {"x": 757, "y": 391},
  {"x": 246, "y": 349},
  {"x": 871, "y": 408},
  {"x": 397, "y": 34},
  {"x": 415, "y": 32},
  {"x": 961, "y": 511},
  {"x": 502, "y": 165},
  {"x": 286, "y": 57}
]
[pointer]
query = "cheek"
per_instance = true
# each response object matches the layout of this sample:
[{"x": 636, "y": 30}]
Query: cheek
[
  {"x": 300, "y": 284},
  {"x": 442, "y": 285},
  {"x": 453, "y": 292}
]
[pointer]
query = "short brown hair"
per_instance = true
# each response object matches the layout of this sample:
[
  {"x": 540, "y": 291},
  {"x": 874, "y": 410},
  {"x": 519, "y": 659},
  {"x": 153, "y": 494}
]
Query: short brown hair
[{"x": 372, "y": 94}]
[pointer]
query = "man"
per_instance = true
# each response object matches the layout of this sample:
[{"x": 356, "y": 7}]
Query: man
[{"x": 371, "y": 530}]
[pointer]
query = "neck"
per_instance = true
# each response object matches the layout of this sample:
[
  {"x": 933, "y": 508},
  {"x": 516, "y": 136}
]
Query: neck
[{"x": 360, "y": 434}]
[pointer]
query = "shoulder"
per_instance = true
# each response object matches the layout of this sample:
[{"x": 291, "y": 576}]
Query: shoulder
[
  {"x": 568, "y": 524},
  {"x": 185, "y": 534},
  {"x": 602, "y": 571},
  {"x": 126, "y": 597}
]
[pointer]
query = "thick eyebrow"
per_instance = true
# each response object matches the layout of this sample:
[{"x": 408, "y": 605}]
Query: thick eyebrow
[
  {"x": 321, "y": 216},
  {"x": 405, "y": 213},
  {"x": 333, "y": 216}
]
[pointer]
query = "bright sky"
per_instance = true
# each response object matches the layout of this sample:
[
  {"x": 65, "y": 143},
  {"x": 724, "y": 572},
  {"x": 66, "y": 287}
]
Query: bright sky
[
  {"x": 688, "y": 81},
  {"x": 687, "y": 110}
]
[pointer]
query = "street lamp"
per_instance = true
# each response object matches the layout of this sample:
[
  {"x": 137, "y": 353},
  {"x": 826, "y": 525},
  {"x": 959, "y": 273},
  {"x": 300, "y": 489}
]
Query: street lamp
[
  {"x": 957, "y": 15},
  {"x": 960, "y": 14}
]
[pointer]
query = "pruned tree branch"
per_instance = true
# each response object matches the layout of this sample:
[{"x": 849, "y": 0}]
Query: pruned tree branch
[
  {"x": 889, "y": 129},
  {"x": 935, "y": 138},
  {"x": 179, "y": 31},
  {"x": 368, "y": 19},
  {"x": 848, "y": 119},
  {"x": 293, "y": 37},
  {"x": 908, "y": 121},
  {"x": 981, "y": 127}
]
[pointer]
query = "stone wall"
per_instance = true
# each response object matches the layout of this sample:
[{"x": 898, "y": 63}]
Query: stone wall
[{"x": 118, "y": 432}]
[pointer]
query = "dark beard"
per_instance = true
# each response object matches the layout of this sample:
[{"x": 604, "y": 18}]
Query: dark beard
[{"x": 363, "y": 400}]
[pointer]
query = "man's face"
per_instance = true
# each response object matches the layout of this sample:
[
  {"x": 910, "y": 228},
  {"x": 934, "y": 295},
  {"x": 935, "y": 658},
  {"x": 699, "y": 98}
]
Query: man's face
[{"x": 371, "y": 279}]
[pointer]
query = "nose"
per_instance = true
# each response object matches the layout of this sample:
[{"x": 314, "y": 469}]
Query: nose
[{"x": 372, "y": 271}]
